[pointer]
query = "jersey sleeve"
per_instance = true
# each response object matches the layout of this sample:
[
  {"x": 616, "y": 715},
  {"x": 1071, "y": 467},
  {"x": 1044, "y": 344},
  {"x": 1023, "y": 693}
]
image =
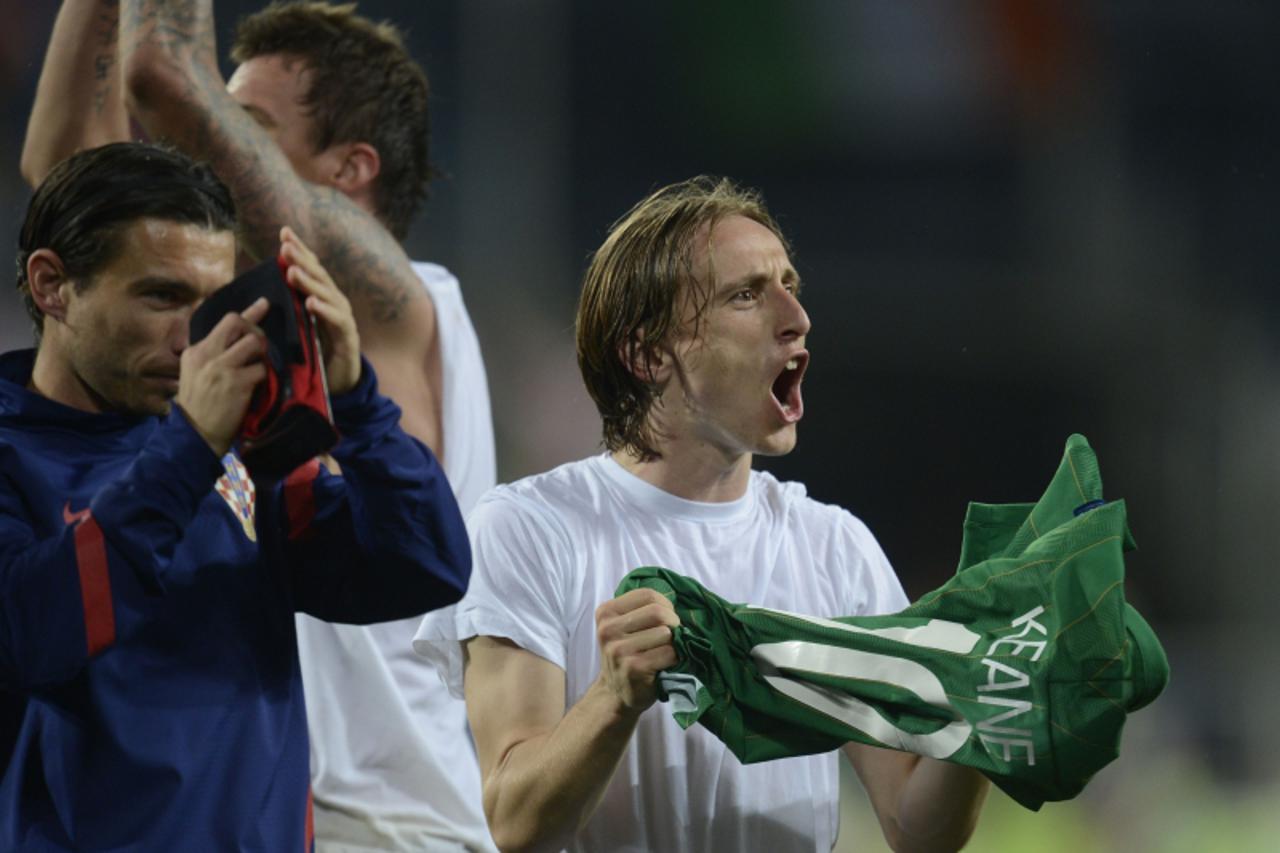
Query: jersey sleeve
[
  {"x": 385, "y": 539},
  {"x": 522, "y": 566},
  {"x": 66, "y": 598}
]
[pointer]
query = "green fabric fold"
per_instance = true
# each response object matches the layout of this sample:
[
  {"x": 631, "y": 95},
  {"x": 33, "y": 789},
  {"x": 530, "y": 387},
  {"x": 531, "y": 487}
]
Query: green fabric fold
[{"x": 1024, "y": 665}]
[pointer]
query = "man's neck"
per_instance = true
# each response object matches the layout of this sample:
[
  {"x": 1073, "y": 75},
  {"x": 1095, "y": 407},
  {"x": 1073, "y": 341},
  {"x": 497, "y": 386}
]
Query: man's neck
[
  {"x": 50, "y": 382},
  {"x": 703, "y": 473},
  {"x": 50, "y": 379}
]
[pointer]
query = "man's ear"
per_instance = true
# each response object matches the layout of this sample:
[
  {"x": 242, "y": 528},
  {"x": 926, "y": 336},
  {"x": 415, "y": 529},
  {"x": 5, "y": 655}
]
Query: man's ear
[
  {"x": 651, "y": 365},
  {"x": 50, "y": 286},
  {"x": 358, "y": 167}
]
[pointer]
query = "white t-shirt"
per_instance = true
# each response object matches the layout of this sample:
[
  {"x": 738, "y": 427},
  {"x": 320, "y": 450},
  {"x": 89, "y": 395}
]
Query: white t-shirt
[
  {"x": 547, "y": 550},
  {"x": 392, "y": 764}
]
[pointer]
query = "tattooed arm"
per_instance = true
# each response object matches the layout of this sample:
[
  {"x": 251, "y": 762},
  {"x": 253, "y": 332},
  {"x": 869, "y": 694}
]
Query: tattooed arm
[
  {"x": 78, "y": 100},
  {"x": 176, "y": 92}
]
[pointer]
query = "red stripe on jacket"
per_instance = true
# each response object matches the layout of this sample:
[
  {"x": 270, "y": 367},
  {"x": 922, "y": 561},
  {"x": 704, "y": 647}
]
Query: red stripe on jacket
[
  {"x": 299, "y": 499},
  {"x": 95, "y": 584},
  {"x": 310, "y": 831}
]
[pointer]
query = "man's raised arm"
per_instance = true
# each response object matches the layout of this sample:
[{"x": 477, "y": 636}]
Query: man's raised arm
[
  {"x": 78, "y": 102},
  {"x": 175, "y": 90}
]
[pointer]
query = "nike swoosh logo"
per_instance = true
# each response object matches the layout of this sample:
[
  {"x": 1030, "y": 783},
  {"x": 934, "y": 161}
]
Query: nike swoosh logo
[{"x": 70, "y": 517}]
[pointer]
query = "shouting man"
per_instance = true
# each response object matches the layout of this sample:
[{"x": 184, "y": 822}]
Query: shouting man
[{"x": 691, "y": 341}]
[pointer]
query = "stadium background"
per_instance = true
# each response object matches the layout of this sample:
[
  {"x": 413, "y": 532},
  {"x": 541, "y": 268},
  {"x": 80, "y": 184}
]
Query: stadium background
[{"x": 1015, "y": 220}]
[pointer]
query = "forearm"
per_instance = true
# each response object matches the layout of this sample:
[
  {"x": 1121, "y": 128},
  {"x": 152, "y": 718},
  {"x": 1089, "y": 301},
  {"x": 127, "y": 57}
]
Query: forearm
[
  {"x": 79, "y": 103},
  {"x": 173, "y": 87},
  {"x": 50, "y": 623},
  {"x": 938, "y": 806},
  {"x": 546, "y": 788},
  {"x": 176, "y": 92}
]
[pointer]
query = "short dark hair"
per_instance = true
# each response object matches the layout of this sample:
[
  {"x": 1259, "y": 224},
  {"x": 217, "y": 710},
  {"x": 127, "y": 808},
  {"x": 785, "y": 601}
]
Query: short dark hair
[
  {"x": 86, "y": 201},
  {"x": 364, "y": 87},
  {"x": 633, "y": 291}
]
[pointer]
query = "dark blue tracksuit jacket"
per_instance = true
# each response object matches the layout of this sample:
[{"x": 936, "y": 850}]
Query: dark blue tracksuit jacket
[{"x": 149, "y": 682}]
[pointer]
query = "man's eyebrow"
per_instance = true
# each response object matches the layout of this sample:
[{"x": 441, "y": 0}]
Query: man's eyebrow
[
  {"x": 758, "y": 280},
  {"x": 755, "y": 281},
  {"x": 151, "y": 281}
]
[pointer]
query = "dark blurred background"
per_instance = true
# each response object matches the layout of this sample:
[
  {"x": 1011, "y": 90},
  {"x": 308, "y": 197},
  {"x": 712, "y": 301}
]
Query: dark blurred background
[{"x": 1015, "y": 221}]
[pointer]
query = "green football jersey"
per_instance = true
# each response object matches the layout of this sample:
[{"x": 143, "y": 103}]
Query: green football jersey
[{"x": 1024, "y": 665}]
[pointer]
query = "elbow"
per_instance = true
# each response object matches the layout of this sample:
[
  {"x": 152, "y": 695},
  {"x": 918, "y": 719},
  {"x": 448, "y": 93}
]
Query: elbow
[
  {"x": 520, "y": 830},
  {"x": 440, "y": 568},
  {"x": 33, "y": 167},
  {"x": 509, "y": 841},
  {"x": 424, "y": 579},
  {"x": 942, "y": 814},
  {"x": 515, "y": 839},
  {"x": 445, "y": 560},
  {"x": 948, "y": 840},
  {"x": 441, "y": 583},
  {"x": 510, "y": 835},
  {"x": 964, "y": 833}
]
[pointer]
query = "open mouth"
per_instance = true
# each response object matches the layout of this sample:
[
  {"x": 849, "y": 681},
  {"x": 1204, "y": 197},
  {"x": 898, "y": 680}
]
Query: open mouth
[{"x": 786, "y": 388}]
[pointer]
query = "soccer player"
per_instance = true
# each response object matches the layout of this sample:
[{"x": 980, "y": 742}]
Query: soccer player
[
  {"x": 323, "y": 126},
  {"x": 691, "y": 340},
  {"x": 150, "y": 584}
]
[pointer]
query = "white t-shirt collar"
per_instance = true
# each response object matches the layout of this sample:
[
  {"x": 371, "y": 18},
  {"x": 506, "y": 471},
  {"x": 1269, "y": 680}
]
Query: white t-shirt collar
[{"x": 649, "y": 498}]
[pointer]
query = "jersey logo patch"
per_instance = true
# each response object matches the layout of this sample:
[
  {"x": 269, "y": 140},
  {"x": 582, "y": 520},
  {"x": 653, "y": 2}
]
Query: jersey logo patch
[
  {"x": 236, "y": 489},
  {"x": 69, "y": 517}
]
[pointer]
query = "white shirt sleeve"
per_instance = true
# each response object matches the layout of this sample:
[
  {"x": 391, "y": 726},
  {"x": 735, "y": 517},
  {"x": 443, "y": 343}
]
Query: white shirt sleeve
[
  {"x": 876, "y": 589},
  {"x": 522, "y": 561}
]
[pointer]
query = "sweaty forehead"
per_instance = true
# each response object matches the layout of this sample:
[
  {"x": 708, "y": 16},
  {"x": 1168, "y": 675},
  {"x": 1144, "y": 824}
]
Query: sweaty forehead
[
  {"x": 201, "y": 257},
  {"x": 270, "y": 82},
  {"x": 741, "y": 248}
]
